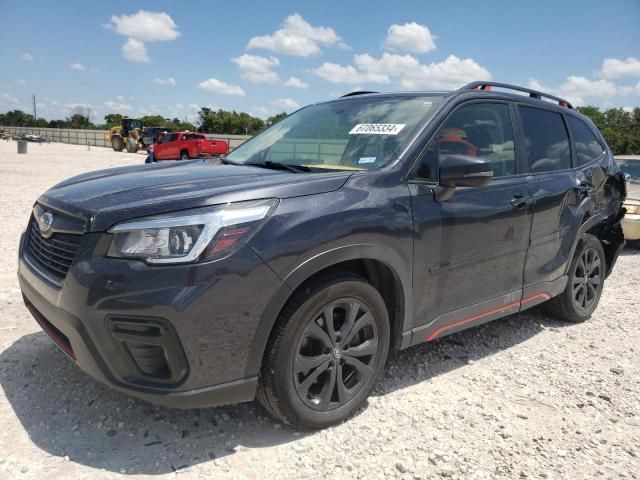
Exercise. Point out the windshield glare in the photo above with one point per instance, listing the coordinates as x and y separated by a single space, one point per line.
354 134
631 168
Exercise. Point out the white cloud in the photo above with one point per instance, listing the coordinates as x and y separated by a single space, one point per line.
78 66
169 81
451 73
216 86
260 112
86 107
257 69
576 89
285 103
637 88
6 99
297 37
295 82
145 26
27 57
410 37
21 82
334 73
121 107
136 51
614 68
628 109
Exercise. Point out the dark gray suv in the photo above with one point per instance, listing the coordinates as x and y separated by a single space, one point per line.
286 270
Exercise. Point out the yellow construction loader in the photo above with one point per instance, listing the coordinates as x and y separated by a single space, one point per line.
128 136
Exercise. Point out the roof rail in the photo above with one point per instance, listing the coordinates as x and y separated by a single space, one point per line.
480 85
361 92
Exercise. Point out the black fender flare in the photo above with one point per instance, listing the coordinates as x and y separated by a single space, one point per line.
586 225
315 264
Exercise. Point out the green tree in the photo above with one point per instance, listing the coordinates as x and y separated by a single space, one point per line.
234 123
275 118
16 118
112 120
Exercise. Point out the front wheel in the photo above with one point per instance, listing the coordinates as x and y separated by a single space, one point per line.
326 352
584 287
132 145
184 155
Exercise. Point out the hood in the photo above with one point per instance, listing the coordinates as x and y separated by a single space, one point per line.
106 197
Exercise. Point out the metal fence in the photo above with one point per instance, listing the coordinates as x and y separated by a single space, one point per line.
98 138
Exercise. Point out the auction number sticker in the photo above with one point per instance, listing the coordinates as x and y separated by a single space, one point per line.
377 129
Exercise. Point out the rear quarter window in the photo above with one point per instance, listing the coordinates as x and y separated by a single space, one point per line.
588 147
546 141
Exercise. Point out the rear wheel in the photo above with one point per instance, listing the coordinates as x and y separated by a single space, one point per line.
184 155
584 287
326 352
117 143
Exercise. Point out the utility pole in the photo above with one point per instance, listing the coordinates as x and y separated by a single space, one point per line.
35 113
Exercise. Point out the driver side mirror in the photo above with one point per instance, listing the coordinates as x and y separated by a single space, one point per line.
462 171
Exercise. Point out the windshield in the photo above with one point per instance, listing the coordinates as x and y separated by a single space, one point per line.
631 168
354 134
133 124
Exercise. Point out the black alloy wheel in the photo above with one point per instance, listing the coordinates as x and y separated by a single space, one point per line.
585 281
335 354
326 352
587 278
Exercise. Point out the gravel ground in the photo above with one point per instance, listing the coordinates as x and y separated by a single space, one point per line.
522 397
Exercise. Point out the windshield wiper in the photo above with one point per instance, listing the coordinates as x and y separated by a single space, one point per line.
280 166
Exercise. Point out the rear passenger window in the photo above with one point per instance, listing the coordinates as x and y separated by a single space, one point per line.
478 129
588 147
546 143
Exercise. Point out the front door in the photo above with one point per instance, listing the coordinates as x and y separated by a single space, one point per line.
166 149
470 250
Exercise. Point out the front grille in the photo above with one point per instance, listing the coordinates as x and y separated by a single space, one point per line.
54 254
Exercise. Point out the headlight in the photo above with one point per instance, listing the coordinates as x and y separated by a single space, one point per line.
200 234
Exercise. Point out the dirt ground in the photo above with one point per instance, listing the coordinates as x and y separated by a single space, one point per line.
522 397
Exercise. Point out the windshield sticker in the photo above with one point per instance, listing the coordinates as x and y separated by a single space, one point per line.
377 129
367 160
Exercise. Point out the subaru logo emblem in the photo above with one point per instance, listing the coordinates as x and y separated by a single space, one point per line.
45 221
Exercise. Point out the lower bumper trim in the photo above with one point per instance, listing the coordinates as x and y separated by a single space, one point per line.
238 391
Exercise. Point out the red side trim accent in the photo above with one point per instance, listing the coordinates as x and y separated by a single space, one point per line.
478 316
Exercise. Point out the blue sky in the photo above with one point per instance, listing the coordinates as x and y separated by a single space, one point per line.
170 58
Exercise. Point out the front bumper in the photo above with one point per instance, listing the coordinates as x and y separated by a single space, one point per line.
200 320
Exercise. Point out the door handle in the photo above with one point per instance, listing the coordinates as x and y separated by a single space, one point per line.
518 201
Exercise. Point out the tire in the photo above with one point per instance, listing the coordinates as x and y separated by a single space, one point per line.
314 375
132 145
184 155
584 287
117 143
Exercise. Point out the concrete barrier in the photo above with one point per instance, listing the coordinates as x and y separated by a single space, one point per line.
99 138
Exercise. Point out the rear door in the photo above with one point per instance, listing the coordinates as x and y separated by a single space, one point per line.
469 251
559 193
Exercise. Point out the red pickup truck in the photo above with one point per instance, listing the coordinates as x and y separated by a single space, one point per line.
186 145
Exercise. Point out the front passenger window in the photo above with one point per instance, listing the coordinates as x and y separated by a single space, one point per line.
480 130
